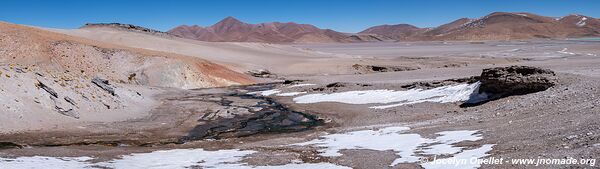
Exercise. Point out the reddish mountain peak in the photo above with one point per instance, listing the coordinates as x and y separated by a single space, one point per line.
511 18
229 21
404 25
445 28
573 16
233 30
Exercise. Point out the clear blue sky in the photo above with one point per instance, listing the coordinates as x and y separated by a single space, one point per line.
340 15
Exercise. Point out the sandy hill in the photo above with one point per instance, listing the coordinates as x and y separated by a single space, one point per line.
398 32
31 46
233 30
497 26
241 57
48 78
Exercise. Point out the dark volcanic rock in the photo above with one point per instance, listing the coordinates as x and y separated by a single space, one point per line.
515 80
500 82
47 89
272 117
435 84
262 73
9 145
365 69
103 84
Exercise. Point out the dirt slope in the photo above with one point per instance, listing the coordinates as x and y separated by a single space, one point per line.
49 78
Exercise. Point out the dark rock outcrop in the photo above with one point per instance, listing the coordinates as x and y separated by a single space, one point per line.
500 82
365 69
103 84
515 80
262 73
267 116
47 89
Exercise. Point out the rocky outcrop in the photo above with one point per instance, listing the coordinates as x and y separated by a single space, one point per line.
103 84
515 80
262 73
128 27
234 120
47 89
366 69
502 82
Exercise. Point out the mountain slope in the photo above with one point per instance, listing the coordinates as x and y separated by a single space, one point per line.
398 32
49 78
233 30
497 26
32 46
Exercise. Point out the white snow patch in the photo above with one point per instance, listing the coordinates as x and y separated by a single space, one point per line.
44 162
520 14
266 92
406 145
290 94
301 85
163 159
179 158
444 94
447 138
463 160
581 22
564 51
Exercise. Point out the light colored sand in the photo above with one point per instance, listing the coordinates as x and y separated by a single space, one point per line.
280 59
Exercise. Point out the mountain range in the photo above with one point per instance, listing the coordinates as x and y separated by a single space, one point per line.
495 26
233 30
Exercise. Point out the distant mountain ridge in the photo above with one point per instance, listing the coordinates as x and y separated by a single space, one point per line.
233 30
128 27
494 26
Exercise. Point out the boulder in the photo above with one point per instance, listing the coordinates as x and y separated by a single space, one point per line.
500 82
515 80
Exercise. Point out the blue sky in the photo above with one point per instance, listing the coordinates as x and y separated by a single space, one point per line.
340 15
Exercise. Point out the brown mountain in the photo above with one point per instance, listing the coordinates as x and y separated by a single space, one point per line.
398 32
497 26
233 30
449 27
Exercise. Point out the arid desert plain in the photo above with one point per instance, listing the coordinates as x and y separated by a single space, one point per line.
106 97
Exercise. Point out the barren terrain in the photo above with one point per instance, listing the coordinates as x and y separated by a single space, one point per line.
360 105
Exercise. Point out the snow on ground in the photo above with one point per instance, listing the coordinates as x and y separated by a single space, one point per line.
290 94
44 162
301 85
564 51
266 92
164 159
406 145
444 94
581 22
461 160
